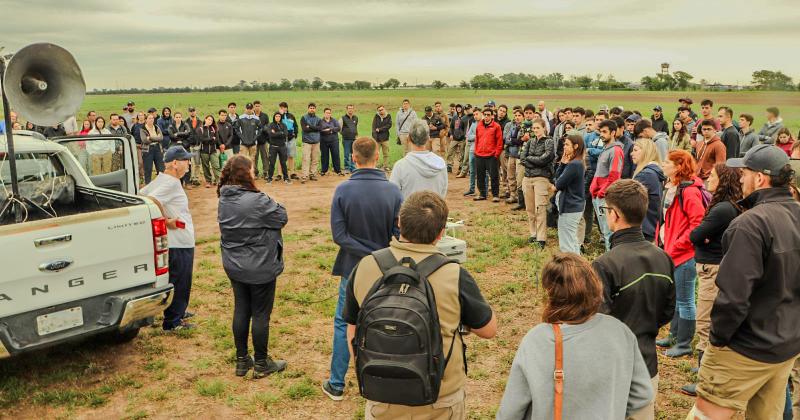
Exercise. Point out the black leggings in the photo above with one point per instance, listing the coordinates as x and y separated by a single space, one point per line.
252 301
279 152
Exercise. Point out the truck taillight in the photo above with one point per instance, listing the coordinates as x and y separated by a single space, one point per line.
160 245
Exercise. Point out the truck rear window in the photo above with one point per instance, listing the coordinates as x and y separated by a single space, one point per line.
31 167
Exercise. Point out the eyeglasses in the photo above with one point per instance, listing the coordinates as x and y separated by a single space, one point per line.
605 209
487 114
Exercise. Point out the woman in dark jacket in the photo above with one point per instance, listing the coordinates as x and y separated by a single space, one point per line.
648 172
277 135
570 199
164 122
724 184
209 150
250 224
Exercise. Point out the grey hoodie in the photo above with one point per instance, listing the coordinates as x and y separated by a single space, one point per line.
404 120
661 140
749 139
769 132
419 171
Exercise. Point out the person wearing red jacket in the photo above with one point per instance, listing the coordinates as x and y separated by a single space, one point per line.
488 146
684 208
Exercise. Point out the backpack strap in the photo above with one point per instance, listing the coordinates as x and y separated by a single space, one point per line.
558 373
385 259
431 263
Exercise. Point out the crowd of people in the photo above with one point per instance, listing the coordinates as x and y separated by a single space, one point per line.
699 219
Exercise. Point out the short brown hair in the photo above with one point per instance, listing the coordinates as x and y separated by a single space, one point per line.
629 198
422 217
364 149
574 292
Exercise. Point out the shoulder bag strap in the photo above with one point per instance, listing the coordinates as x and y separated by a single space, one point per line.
558 374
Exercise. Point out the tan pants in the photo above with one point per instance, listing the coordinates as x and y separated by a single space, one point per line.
290 168
310 159
706 293
443 140
537 198
504 173
455 151
197 164
249 151
730 380
405 142
512 175
101 163
384 146
437 144
647 412
448 407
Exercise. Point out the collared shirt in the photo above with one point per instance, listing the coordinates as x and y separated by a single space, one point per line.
168 191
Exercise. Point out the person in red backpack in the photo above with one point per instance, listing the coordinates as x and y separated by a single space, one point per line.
684 205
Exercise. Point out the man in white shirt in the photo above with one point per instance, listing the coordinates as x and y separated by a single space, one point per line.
167 192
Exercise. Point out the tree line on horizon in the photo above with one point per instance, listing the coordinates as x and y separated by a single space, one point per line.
766 80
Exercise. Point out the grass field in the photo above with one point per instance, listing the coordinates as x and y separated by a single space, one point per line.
190 374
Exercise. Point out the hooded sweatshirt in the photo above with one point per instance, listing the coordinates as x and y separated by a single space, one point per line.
769 132
419 171
661 140
652 177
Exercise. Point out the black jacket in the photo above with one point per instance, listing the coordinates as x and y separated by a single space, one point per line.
537 156
207 136
291 134
757 309
458 128
349 127
225 134
660 125
250 224
263 122
381 127
712 228
276 132
249 128
192 138
638 288
435 121
180 134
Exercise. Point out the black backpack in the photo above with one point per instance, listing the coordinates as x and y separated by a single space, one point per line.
398 341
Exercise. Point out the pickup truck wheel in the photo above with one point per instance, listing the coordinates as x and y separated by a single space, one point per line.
119 337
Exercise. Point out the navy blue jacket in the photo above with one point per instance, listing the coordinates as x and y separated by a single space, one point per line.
364 217
653 179
569 182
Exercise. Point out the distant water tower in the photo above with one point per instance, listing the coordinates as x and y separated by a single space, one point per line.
664 68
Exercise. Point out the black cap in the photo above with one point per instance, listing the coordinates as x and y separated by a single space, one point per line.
249 105
764 158
131 103
152 110
192 109
657 108
428 109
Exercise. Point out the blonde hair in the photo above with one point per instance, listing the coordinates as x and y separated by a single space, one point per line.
649 154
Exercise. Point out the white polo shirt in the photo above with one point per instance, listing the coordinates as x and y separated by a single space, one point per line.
168 190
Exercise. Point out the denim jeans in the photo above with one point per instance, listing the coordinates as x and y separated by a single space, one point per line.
152 157
340 359
568 232
685 278
472 171
348 155
601 221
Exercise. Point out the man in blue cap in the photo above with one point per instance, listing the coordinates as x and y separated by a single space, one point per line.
166 191
754 336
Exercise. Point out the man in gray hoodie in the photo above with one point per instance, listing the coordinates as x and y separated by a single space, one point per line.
644 129
769 132
405 117
420 169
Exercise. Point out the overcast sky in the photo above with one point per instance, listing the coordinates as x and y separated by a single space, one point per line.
147 43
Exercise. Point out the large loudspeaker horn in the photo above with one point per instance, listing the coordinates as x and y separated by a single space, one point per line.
44 84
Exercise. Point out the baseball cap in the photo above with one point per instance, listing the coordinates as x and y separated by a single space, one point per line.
177 153
687 100
604 107
191 109
633 118
428 109
657 108
764 158
249 105
152 110
490 103
131 103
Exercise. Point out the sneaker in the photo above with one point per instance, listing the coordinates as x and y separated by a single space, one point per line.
541 244
340 173
314 177
532 240
461 175
294 176
690 390
187 315
495 199
511 200
262 368
288 181
243 365
302 180
336 395
278 177
323 173
519 206
181 326
469 193
478 198
269 181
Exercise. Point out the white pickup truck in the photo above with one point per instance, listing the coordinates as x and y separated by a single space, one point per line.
90 256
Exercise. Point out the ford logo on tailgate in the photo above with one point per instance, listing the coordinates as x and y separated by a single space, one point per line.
56 265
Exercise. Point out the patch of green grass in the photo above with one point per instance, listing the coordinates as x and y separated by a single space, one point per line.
12 390
137 415
301 390
265 399
210 388
155 365
156 394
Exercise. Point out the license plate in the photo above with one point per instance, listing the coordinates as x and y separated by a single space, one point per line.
59 321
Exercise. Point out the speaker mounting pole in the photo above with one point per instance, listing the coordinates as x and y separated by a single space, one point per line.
12 157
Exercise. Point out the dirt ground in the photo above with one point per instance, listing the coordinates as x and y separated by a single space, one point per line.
190 375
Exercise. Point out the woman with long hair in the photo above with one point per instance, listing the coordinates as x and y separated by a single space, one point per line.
570 200
99 127
648 171
785 140
86 128
250 224
209 150
594 347
680 139
683 208
726 188
164 122
151 137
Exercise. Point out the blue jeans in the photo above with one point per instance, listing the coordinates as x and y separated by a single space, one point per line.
340 359
348 155
568 232
472 171
685 278
152 156
601 221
